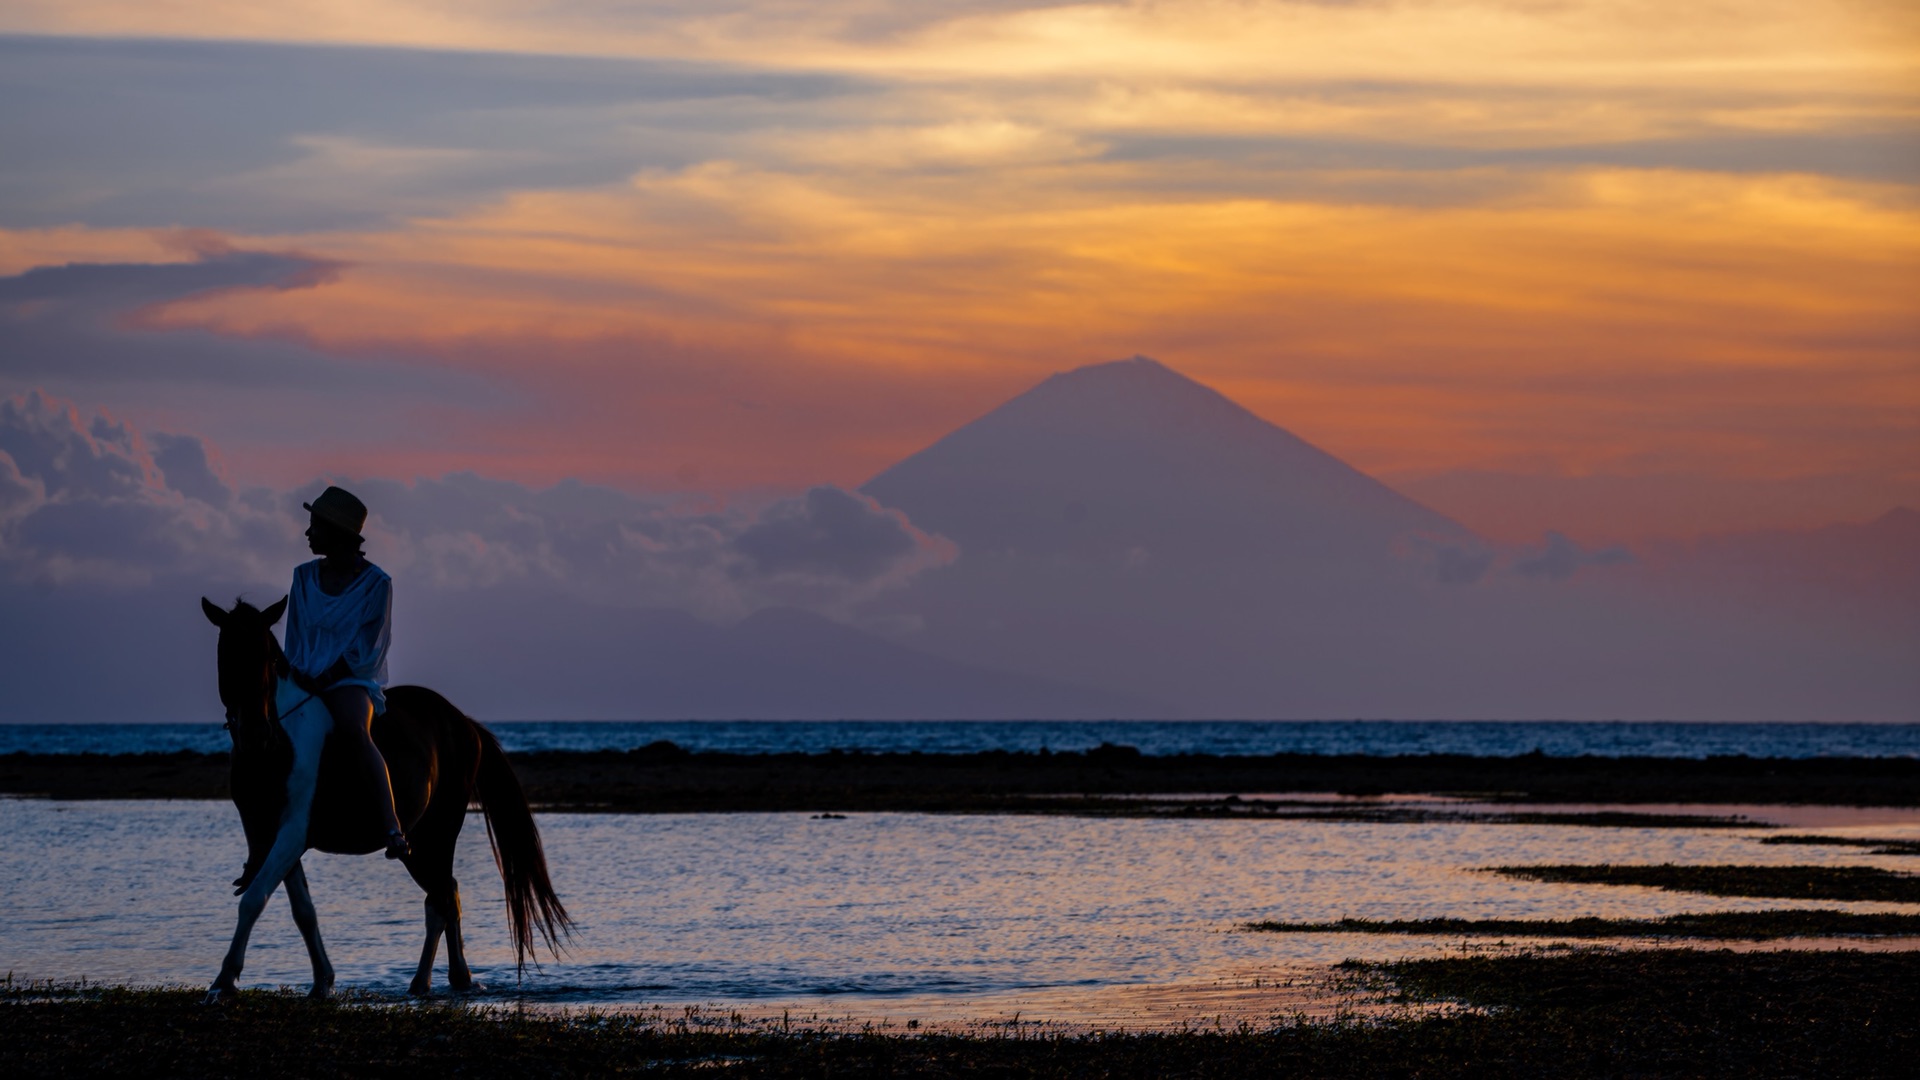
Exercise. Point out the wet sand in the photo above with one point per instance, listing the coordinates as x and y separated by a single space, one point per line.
662 778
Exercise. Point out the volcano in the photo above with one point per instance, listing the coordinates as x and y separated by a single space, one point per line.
1123 526
1133 460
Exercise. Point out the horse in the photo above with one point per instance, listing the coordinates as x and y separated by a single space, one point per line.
297 789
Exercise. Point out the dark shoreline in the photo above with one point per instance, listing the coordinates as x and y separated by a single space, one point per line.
1589 1012
1708 926
662 778
1866 883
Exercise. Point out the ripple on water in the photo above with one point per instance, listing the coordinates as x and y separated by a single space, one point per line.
932 914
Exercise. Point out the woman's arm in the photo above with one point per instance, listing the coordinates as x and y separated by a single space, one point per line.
366 655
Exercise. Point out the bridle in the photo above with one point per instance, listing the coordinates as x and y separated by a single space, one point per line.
278 668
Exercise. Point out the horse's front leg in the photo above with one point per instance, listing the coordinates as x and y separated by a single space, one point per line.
308 920
285 854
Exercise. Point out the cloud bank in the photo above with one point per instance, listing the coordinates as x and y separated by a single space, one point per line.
94 500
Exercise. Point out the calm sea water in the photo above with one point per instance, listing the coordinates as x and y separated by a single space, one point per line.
901 915
1152 737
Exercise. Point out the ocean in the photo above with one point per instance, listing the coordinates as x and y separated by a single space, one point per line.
1115 921
1154 737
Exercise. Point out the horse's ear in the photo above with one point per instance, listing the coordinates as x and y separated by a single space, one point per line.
275 610
214 614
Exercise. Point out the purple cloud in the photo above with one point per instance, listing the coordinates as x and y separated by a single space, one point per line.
93 498
835 533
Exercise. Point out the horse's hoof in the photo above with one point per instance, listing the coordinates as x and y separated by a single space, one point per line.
220 995
320 993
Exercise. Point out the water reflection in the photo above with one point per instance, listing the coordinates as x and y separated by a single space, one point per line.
951 913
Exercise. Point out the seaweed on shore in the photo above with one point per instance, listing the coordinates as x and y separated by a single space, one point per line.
1666 984
1872 845
1718 925
1775 882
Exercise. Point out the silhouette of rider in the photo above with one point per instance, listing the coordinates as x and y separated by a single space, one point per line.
339 616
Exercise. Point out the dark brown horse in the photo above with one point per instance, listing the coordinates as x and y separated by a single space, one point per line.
296 788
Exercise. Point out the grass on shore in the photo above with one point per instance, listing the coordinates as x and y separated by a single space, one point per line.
1715 926
1547 1013
1774 882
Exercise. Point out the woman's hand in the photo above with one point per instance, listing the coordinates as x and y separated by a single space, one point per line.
314 684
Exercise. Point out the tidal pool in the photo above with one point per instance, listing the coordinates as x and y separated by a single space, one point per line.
1128 920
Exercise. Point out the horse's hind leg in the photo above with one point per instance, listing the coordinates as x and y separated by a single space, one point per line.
443 917
432 867
301 900
422 984
458 976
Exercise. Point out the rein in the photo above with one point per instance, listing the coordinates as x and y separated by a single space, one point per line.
281 670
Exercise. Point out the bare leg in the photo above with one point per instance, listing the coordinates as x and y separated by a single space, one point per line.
301 900
353 717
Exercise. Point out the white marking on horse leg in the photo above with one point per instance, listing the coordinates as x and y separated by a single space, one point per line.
280 860
306 727
458 976
423 978
308 920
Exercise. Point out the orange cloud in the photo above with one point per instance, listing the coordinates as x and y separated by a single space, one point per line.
1433 237
1587 321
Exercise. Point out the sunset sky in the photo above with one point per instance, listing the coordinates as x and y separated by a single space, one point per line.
1621 269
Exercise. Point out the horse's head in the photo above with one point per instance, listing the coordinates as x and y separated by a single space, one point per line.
250 661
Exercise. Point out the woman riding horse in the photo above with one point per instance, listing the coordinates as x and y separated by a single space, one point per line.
339 622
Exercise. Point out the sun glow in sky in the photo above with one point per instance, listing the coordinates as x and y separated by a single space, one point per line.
1656 261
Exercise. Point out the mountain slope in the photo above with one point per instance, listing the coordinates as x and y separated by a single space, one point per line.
1131 457
1123 527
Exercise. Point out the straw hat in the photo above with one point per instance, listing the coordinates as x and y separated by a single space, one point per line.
337 506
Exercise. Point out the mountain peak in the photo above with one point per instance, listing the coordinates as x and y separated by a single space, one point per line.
1139 390
1133 456
1134 366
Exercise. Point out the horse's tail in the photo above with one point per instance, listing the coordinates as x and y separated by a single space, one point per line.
531 903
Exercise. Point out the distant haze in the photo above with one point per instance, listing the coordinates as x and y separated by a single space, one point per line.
1119 541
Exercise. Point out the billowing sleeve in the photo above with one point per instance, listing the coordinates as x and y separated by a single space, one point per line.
366 654
297 634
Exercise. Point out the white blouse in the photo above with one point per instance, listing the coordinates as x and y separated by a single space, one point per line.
356 625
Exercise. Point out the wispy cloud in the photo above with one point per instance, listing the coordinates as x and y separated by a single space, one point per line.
761 244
